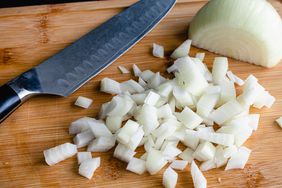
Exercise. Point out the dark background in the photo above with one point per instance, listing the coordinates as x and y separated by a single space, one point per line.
16 3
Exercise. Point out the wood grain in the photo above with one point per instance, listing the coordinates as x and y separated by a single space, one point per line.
29 35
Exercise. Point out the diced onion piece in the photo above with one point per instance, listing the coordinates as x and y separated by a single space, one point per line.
164 111
136 166
235 78
102 144
155 161
59 153
124 153
136 70
147 75
189 76
158 51
152 98
123 70
217 138
110 86
144 156
191 140
219 158
199 179
99 128
83 156
83 102
165 89
105 108
187 155
148 118
170 178
155 81
207 165
227 28
170 152
183 97
226 112
206 104
172 104
120 106
182 50
88 167
219 69
201 56
82 139
80 125
211 89
172 68
178 164
228 92
139 98
264 99
114 123
131 86
205 151
136 139
189 118
239 159
229 151
127 131
279 121
142 82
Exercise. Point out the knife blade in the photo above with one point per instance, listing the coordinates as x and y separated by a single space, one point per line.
68 70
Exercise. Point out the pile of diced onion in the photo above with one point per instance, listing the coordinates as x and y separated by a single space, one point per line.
197 108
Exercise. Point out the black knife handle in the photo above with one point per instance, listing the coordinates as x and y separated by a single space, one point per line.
9 101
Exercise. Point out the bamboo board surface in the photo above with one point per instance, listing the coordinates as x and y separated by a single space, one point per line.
29 35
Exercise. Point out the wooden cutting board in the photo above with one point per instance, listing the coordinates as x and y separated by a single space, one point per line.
29 35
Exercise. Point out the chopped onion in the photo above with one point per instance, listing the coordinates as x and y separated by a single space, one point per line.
211 89
82 139
136 70
229 151
183 97
191 140
80 125
99 129
205 151
239 159
147 75
83 102
206 104
199 179
207 165
235 78
226 112
178 164
127 131
142 82
219 158
102 144
144 156
165 89
155 161
123 153
123 70
105 108
83 156
201 56
219 69
189 118
120 106
187 155
279 121
110 86
132 87
182 50
170 178
164 112
59 153
172 68
155 81
152 98
148 118
170 152
88 167
228 28
114 123
228 92
137 166
136 139
158 51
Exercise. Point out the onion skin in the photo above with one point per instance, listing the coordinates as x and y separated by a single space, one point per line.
247 30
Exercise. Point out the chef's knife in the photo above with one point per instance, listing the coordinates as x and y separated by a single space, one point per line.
69 69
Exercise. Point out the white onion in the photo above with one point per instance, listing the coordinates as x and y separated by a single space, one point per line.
152 98
88 167
80 125
155 81
114 123
110 86
136 139
219 158
123 70
144 156
83 156
59 153
227 92
136 70
228 28
123 153
99 128
120 106
83 102
105 108
170 152
158 51
183 97
279 121
219 69
206 104
229 151
82 139
147 75
191 140
205 151
207 165
102 144
172 68
187 155
142 82
199 179
200 56
131 86
235 78
239 159
139 98
137 166
182 50
164 112
170 178
226 112
127 131
189 118
155 161
148 118
178 164
211 89
165 89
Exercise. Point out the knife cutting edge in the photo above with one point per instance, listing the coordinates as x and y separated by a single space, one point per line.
68 70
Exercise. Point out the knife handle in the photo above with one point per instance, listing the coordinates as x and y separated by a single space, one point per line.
9 101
